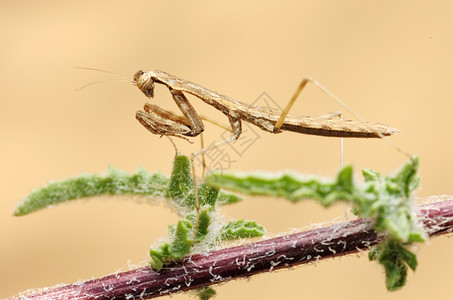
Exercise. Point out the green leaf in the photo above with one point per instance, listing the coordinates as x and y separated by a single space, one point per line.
370 175
180 187
180 190
205 293
227 198
203 225
240 229
114 183
180 246
407 178
159 256
289 186
384 199
395 258
207 195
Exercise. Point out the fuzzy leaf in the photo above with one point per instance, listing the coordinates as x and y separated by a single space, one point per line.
384 199
114 183
207 195
240 229
395 258
227 198
180 187
289 186
181 243
203 225
205 293
370 175
177 248
159 256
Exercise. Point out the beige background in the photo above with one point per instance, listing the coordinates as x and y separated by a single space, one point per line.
389 60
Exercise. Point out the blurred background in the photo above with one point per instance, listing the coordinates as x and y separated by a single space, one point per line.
391 61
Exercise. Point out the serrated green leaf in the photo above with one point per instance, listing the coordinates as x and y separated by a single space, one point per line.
289 186
240 229
160 255
205 293
395 258
227 198
181 243
407 177
370 175
114 183
207 195
178 247
384 199
203 225
180 186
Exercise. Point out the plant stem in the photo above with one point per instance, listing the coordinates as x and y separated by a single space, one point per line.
243 261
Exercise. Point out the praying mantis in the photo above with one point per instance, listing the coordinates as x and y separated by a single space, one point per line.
163 122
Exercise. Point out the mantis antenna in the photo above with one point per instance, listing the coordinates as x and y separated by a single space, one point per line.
122 78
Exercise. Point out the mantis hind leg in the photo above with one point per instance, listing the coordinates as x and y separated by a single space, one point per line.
299 89
291 102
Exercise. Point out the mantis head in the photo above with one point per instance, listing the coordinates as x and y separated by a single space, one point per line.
145 83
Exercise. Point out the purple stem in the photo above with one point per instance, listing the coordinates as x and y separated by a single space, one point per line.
243 261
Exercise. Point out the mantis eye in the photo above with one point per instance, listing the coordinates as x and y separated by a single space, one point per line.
138 75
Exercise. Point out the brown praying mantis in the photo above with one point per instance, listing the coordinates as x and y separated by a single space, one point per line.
163 122
166 123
